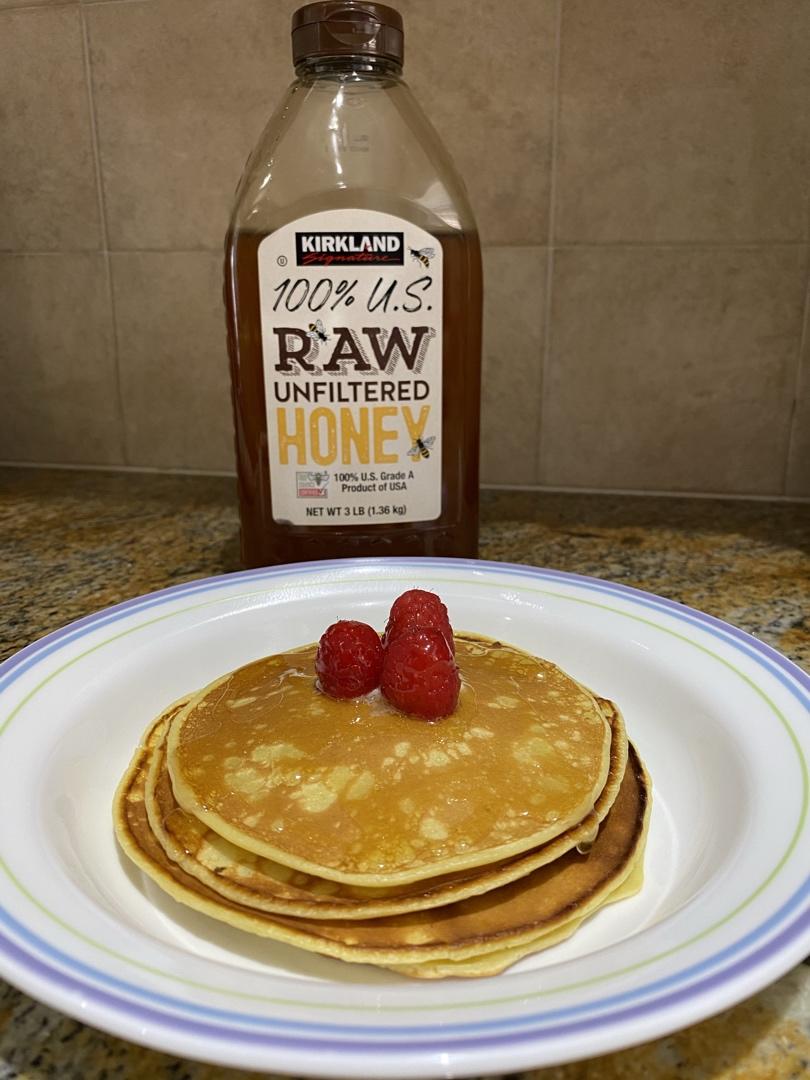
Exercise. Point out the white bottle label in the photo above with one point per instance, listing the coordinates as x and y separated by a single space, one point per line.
351 310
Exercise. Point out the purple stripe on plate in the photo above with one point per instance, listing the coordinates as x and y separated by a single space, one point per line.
397 1041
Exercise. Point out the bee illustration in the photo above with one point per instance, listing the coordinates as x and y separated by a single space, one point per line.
321 479
422 255
317 332
421 447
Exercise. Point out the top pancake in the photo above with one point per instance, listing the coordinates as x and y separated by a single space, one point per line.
354 791
267 885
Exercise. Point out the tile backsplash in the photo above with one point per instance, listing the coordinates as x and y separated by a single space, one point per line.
639 169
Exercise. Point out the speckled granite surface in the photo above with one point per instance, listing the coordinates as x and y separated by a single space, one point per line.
73 542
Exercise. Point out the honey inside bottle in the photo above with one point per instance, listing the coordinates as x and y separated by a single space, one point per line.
353 292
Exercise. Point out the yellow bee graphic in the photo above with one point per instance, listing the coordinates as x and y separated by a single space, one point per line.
317 332
421 448
422 255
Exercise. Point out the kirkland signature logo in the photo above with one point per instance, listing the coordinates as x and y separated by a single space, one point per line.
350 248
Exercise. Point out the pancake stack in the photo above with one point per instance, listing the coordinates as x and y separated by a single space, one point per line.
349 829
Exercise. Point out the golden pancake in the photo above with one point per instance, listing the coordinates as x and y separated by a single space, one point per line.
492 963
266 885
513 916
356 792
573 885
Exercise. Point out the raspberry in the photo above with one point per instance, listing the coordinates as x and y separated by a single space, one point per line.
417 610
349 659
419 674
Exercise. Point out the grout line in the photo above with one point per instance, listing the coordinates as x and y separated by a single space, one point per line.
102 212
702 245
552 210
23 254
100 3
22 6
100 250
28 5
797 384
691 245
88 80
726 496
151 470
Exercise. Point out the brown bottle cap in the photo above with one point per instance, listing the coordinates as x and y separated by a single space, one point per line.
347 28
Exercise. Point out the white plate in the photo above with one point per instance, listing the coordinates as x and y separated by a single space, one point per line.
720 719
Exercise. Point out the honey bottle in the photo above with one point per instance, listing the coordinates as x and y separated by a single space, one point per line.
353 294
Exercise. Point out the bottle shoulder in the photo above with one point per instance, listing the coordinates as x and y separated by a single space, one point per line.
334 144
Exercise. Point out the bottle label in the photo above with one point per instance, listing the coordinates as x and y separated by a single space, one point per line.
351 316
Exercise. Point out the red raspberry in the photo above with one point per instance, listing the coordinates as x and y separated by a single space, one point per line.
417 610
349 659
419 674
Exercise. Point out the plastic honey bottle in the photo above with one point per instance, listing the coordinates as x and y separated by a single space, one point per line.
353 292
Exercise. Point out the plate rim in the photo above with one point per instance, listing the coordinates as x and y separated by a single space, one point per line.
786 671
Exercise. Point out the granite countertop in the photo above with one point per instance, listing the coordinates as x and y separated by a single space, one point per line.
72 542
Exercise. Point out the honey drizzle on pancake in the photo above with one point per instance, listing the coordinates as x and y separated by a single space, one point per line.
356 792
268 886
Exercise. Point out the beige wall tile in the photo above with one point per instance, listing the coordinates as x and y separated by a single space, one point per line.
60 398
798 473
48 198
672 368
483 72
684 121
184 87
173 360
514 325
